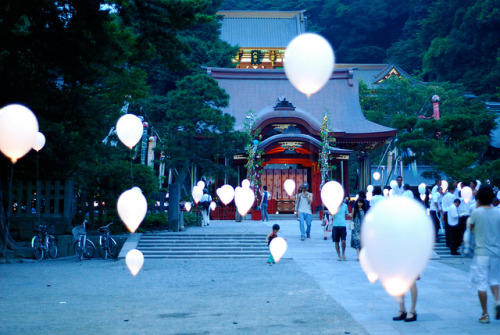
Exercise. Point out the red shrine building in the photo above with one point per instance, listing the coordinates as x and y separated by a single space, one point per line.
289 121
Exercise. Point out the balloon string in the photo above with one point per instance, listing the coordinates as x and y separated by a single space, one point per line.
37 194
131 171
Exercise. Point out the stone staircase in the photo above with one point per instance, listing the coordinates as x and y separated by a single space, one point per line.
442 250
199 245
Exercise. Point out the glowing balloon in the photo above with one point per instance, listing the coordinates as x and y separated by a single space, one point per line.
398 236
444 186
478 184
18 129
213 205
369 188
134 260
376 175
245 183
201 184
197 194
129 129
386 192
466 194
226 194
391 192
422 197
393 184
309 62
289 186
132 207
369 196
421 188
460 185
187 206
39 142
277 248
363 261
244 199
332 195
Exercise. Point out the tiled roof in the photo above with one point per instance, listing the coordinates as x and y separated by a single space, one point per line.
261 29
258 90
371 73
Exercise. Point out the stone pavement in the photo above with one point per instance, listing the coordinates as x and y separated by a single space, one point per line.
308 292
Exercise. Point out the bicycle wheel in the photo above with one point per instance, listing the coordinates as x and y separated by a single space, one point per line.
114 250
52 247
36 244
102 247
89 251
78 250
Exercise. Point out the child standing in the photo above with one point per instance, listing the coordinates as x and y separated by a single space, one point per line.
269 238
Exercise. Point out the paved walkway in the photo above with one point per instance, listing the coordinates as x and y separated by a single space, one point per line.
308 292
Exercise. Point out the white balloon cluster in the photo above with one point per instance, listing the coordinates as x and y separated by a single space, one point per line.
332 195
398 237
18 131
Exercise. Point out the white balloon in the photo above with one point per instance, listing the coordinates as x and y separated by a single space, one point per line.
444 186
460 185
365 265
498 195
421 188
244 199
132 207
376 175
332 195
393 184
39 142
197 194
369 188
386 192
201 184
478 184
369 196
466 194
134 260
213 205
278 248
289 186
129 129
226 194
398 236
309 62
187 206
245 183
422 197
18 129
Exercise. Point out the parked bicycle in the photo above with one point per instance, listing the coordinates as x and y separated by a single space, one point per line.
84 248
107 244
43 243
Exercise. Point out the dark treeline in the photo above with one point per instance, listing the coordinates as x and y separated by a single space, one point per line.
434 40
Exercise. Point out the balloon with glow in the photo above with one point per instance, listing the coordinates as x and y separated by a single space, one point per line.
421 188
197 194
277 248
444 186
393 184
376 175
369 188
187 206
422 197
245 183
201 184
226 194
18 131
369 196
466 194
244 199
289 186
213 205
308 62
129 129
363 261
398 236
39 142
332 195
460 185
132 207
386 192
134 260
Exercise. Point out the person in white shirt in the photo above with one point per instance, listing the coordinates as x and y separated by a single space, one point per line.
377 196
435 209
407 192
399 189
454 228
448 199
205 201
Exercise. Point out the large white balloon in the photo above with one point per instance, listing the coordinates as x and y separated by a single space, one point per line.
398 236
332 195
134 261
197 194
466 194
393 184
213 205
421 188
277 247
129 129
309 62
187 206
376 175
132 207
289 186
226 194
39 142
444 186
244 199
18 129
245 183
365 265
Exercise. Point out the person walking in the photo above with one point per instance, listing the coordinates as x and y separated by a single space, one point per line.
339 231
399 189
358 214
447 201
205 201
435 210
485 267
403 314
453 226
265 195
303 209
